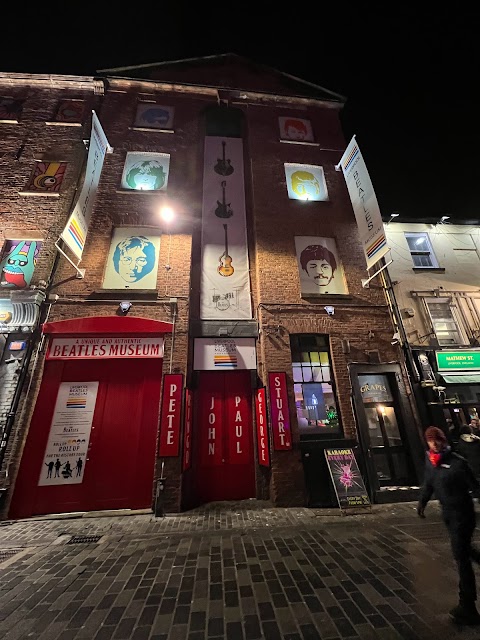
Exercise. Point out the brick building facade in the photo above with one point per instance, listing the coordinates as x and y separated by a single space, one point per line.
344 381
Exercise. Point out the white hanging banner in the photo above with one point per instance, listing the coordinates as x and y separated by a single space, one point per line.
225 277
66 452
365 204
75 232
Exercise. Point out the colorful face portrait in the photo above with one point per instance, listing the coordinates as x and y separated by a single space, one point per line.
146 172
320 269
305 182
10 109
18 263
154 116
295 129
47 177
70 111
133 260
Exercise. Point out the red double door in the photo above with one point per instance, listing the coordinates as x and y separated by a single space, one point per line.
225 458
119 466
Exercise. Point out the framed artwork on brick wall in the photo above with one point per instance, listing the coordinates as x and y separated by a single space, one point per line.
319 267
154 116
17 263
70 111
145 171
10 109
132 261
305 182
295 129
47 177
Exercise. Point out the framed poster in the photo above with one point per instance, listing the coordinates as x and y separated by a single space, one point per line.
10 109
47 177
17 263
319 267
66 451
70 111
154 116
132 261
305 182
295 129
347 479
146 171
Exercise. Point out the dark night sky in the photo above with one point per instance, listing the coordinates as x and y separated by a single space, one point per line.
410 76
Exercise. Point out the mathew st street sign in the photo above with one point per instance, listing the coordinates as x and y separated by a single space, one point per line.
458 360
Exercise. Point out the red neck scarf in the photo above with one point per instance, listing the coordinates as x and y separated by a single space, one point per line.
435 458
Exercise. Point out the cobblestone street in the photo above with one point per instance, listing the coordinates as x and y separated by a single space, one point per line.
230 570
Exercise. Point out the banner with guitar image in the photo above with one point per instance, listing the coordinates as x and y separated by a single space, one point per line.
225 280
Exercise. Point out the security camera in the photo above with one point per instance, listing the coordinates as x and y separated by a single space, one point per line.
125 306
330 310
395 338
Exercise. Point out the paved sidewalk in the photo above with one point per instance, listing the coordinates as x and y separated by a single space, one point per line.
241 571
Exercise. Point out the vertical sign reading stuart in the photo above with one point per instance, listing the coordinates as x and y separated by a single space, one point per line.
280 416
67 446
225 276
262 428
187 432
170 415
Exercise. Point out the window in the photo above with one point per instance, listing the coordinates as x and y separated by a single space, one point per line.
444 324
315 400
421 250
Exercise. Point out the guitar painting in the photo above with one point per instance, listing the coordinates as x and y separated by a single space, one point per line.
223 166
225 267
223 209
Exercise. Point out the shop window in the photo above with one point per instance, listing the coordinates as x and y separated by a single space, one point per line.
444 323
421 250
315 400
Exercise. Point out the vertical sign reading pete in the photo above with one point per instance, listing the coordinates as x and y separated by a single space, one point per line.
262 428
187 432
280 416
170 415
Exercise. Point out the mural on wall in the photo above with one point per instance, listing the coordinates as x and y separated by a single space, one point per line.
10 109
70 111
296 129
146 171
132 261
319 266
154 116
47 177
17 263
225 276
305 182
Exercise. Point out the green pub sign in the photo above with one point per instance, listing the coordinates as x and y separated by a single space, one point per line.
458 360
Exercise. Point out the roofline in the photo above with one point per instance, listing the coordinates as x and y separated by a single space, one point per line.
434 221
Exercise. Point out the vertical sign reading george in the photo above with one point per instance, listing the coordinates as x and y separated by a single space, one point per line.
347 479
280 416
262 428
67 446
170 415
187 432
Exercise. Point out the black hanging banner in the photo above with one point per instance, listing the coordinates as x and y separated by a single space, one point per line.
347 479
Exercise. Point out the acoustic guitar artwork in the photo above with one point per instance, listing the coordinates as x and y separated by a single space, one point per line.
223 210
224 166
225 267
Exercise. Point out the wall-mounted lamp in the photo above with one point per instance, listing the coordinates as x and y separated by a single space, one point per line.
443 219
395 338
125 306
329 309
392 216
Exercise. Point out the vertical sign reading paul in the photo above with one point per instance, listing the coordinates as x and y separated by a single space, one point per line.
347 479
66 452
187 432
171 415
280 416
262 428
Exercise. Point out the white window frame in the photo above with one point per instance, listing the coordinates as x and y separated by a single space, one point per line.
459 330
430 252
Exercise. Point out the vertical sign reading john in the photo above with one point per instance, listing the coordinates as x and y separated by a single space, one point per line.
279 413
262 428
171 412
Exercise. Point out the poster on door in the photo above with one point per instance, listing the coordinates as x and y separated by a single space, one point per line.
66 451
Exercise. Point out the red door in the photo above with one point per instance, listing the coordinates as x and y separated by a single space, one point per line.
225 461
119 467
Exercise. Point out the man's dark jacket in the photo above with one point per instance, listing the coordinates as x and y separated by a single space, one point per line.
451 483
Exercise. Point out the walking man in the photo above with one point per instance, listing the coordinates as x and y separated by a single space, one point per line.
449 477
